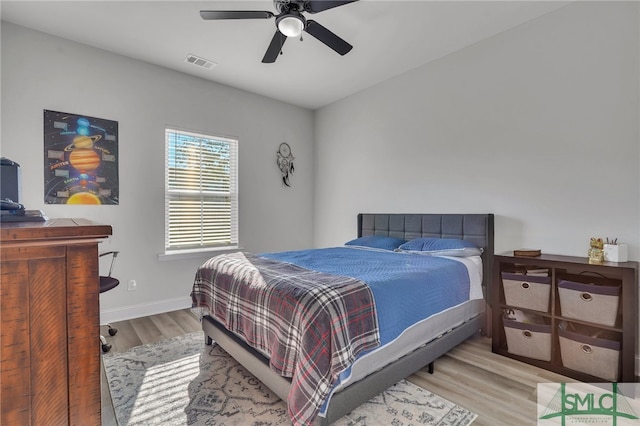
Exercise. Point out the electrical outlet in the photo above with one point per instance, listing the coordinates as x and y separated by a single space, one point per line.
132 285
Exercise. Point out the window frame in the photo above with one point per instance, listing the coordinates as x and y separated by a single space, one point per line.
206 193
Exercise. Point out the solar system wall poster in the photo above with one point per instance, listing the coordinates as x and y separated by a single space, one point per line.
80 159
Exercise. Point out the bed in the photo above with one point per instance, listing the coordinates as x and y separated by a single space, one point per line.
379 347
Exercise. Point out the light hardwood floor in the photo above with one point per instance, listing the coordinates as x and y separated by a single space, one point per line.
500 390
142 331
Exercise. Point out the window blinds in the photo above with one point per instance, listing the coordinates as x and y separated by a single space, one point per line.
201 198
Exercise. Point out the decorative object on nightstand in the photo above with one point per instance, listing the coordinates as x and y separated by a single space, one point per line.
596 254
614 252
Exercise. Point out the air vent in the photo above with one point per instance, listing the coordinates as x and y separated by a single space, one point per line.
198 61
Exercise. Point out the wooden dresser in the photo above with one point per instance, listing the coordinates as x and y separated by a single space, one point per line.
49 322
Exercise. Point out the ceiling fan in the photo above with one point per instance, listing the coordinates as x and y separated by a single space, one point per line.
290 23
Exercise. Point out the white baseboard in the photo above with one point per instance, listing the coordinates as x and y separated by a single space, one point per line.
143 310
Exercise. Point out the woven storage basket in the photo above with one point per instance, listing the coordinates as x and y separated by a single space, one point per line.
529 292
599 357
589 302
530 340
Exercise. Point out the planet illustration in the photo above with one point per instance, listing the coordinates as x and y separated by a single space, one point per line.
84 160
83 198
83 142
84 178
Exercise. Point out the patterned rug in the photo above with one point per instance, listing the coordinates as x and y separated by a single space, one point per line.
182 381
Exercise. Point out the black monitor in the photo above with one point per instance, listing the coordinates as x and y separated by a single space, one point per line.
9 180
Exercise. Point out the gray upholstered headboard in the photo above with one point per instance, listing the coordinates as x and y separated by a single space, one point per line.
475 228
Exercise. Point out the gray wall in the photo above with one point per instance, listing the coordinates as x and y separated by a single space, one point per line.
538 125
44 72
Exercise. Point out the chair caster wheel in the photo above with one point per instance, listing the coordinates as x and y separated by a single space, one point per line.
113 331
106 347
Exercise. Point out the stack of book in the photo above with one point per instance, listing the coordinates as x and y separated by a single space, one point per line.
538 272
527 252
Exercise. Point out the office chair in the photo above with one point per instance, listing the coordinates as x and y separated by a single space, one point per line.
106 284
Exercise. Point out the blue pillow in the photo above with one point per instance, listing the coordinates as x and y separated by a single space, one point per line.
377 241
442 247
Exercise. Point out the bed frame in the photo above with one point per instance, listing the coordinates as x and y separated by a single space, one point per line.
476 228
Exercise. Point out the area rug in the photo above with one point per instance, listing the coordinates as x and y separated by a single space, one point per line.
181 381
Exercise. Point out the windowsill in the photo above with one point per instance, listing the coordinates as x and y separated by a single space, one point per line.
194 254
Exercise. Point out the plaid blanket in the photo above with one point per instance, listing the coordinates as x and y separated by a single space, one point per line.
312 325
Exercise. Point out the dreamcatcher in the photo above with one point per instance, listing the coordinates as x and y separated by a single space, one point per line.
285 162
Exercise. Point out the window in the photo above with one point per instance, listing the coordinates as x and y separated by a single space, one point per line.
201 198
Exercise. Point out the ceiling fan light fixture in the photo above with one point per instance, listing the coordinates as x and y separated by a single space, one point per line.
291 25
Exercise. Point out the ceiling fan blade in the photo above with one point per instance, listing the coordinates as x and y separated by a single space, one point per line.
327 37
315 6
274 48
236 14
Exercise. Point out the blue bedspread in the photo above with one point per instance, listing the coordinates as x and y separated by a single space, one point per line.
406 287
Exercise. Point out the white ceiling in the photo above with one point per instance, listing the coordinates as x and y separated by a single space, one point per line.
389 38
